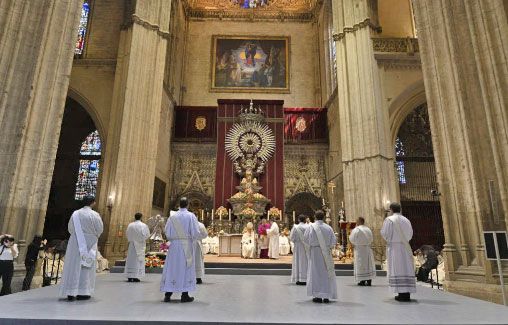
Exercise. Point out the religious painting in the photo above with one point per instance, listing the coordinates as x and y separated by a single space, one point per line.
250 64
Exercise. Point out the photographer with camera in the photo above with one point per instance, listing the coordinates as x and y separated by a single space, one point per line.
8 252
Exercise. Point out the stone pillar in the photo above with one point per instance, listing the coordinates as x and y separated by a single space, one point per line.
367 152
135 118
37 40
463 47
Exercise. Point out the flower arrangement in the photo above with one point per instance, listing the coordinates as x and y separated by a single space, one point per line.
274 212
164 247
153 261
222 211
248 213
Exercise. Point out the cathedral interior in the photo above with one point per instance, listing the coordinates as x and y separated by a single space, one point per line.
346 105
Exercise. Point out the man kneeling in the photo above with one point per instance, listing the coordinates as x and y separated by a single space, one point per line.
321 280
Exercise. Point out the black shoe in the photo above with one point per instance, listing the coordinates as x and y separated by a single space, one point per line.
368 283
79 297
136 280
405 297
326 301
199 281
71 298
129 280
318 300
303 283
186 298
167 297
361 283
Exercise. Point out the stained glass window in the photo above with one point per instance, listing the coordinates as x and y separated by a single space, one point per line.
83 25
89 166
399 164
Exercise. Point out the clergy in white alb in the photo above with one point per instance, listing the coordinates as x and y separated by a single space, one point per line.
249 241
284 247
364 264
137 234
179 273
273 236
397 231
300 253
321 239
199 261
85 227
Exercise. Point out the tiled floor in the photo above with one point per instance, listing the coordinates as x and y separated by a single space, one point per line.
247 300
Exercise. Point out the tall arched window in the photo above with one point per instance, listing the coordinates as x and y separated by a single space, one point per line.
89 164
82 29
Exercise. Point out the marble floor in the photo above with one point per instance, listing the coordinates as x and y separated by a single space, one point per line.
245 300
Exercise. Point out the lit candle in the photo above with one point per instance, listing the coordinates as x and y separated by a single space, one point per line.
212 214
342 204
229 214
268 215
202 215
294 216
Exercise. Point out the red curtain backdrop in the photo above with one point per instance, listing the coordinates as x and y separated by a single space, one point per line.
185 123
312 125
272 180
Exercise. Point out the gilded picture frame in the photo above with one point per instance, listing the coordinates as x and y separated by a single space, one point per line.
253 64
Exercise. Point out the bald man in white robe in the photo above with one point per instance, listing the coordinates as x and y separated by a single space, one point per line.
364 265
137 233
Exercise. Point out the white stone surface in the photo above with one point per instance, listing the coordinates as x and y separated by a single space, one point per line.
248 299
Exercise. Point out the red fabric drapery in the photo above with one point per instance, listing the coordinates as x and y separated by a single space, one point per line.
305 125
272 180
195 123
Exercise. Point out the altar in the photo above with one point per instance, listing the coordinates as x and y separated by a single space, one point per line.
230 245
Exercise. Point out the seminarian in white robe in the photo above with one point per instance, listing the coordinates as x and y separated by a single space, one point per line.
179 273
284 247
137 233
300 253
321 282
249 242
79 280
199 261
397 231
364 264
273 236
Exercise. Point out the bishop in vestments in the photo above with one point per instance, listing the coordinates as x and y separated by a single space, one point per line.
137 233
321 278
364 266
397 231
301 252
179 273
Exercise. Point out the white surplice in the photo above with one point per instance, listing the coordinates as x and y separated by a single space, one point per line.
214 245
77 279
300 253
198 251
179 273
137 233
284 247
249 244
397 231
273 235
206 245
320 284
364 264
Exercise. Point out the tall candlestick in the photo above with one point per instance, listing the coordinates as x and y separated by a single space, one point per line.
342 204
294 216
229 214
212 214
202 215
268 215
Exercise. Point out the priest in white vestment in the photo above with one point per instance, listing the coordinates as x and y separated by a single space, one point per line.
284 247
199 260
273 236
364 264
321 282
300 253
137 234
85 227
179 273
397 231
249 242
214 244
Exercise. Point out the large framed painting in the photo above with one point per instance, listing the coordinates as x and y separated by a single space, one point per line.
250 64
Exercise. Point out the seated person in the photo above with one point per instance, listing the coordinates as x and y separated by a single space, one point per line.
249 242
214 244
431 262
102 263
284 246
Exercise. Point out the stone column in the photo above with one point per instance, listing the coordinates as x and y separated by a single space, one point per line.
463 47
367 152
37 40
135 118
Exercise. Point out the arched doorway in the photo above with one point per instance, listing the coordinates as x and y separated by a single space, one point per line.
77 168
417 179
303 203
